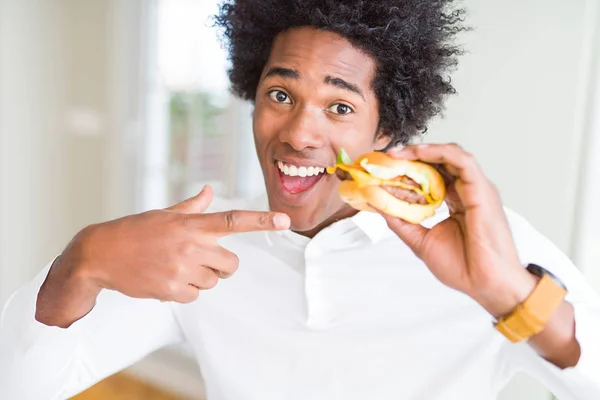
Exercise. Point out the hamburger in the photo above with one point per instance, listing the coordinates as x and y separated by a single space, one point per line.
410 190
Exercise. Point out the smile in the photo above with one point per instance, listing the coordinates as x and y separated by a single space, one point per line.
302 171
296 181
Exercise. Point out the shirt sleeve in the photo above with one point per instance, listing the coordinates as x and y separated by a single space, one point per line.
43 362
581 382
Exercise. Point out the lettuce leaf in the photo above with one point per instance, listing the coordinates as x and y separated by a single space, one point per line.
343 157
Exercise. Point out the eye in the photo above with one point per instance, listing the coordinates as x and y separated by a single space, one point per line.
280 97
341 109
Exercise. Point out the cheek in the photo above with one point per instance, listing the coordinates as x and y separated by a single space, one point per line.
261 140
356 141
361 138
263 131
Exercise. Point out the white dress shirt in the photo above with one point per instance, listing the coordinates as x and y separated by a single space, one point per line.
351 314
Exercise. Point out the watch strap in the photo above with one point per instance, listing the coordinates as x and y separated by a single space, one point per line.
530 317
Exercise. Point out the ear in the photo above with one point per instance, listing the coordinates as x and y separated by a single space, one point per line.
382 139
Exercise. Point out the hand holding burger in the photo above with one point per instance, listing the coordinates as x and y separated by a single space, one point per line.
471 251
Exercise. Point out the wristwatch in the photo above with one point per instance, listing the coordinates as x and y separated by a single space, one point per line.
536 270
530 317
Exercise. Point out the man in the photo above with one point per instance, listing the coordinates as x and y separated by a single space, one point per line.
315 300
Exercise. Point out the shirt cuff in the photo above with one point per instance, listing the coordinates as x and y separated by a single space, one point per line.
587 332
25 332
582 381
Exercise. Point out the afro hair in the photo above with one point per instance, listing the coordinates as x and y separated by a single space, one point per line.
410 40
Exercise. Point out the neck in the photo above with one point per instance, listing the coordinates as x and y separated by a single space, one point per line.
345 212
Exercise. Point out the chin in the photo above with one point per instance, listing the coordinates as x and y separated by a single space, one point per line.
303 217
300 223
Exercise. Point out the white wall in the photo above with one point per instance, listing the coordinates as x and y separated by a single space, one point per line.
518 106
521 109
32 144
65 113
584 244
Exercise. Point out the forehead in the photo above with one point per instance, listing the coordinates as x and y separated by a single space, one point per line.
315 53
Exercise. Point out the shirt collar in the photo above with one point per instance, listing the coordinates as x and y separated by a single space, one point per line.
375 227
371 224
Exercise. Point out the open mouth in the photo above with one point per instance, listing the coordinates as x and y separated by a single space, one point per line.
296 179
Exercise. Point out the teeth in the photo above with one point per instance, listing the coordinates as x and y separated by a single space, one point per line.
302 171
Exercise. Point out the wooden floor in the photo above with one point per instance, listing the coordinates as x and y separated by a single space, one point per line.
124 387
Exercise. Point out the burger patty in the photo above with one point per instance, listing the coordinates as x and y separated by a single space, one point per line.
405 179
343 175
407 195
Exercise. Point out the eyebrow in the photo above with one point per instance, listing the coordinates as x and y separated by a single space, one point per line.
340 83
329 80
282 72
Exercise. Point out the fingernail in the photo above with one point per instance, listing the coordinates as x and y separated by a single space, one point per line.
224 275
281 221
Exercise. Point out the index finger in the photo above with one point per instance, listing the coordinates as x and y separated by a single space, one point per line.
237 221
455 160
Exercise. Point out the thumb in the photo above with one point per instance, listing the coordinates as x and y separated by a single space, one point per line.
413 235
195 205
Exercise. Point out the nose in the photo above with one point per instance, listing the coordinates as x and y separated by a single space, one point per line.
302 129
